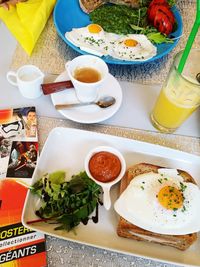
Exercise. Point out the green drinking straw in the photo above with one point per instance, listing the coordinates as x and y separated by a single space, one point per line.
190 39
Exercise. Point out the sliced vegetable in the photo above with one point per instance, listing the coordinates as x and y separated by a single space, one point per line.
161 16
160 8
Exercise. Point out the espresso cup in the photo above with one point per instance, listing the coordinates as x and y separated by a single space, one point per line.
87 88
28 79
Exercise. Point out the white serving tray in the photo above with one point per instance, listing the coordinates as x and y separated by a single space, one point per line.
65 149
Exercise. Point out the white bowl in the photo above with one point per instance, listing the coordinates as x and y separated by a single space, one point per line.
107 185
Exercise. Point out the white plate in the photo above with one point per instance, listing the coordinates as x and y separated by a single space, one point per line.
92 113
66 149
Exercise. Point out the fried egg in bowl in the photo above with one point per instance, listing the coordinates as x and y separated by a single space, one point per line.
133 47
93 39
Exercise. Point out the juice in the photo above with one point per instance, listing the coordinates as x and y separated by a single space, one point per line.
180 95
170 114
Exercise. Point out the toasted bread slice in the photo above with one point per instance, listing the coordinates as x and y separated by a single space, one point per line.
89 5
128 230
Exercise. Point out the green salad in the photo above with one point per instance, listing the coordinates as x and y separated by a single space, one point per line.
118 19
121 19
66 203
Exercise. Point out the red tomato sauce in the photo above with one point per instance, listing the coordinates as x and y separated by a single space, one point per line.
104 166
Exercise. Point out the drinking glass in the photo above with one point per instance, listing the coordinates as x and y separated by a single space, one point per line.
180 94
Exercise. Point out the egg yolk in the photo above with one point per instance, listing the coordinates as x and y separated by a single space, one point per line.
94 28
170 197
130 42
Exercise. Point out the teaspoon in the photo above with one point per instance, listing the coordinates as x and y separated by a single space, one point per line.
103 102
198 77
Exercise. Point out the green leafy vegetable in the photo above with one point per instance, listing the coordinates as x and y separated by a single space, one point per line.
66 203
117 18
57 177
152 34
158 38
171 2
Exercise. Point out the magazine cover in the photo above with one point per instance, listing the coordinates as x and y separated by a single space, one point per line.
19 246
18 142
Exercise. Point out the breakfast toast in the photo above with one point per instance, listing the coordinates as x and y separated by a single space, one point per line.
129 230
89 5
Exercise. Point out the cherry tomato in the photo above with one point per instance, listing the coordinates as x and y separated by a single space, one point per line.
160 16
163 9
162 23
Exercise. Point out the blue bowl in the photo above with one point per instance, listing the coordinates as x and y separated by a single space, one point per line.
68 15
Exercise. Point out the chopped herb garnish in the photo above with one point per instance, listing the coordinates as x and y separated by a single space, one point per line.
183 187
183 209
142 187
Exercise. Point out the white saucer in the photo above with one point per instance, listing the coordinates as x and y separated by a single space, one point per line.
92 113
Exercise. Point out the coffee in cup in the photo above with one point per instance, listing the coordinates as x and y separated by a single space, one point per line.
87 74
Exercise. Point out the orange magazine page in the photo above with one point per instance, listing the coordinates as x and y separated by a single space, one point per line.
19 246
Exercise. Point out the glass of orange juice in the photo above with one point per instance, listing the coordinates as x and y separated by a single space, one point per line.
180 94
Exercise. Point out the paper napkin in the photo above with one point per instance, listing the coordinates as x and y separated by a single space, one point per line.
26 21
